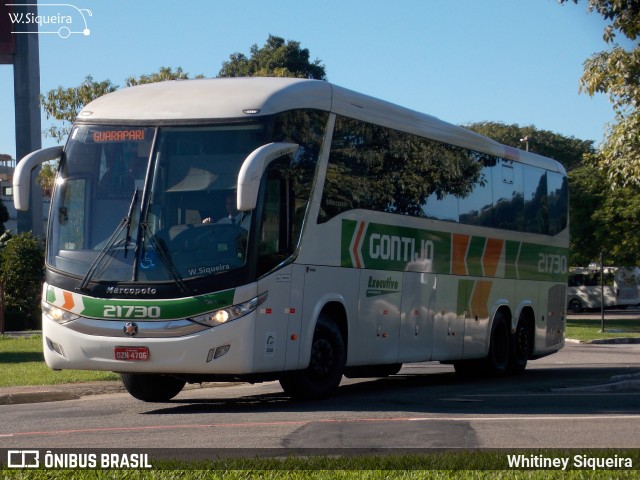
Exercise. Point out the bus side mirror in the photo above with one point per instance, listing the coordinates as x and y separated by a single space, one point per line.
22 174
252 169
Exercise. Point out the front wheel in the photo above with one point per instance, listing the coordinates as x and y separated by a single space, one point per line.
152 388
326 365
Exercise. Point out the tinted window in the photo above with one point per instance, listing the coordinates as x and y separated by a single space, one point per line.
557 191
536 208
376 168
508 206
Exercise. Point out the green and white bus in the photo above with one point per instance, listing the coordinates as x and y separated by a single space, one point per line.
364 236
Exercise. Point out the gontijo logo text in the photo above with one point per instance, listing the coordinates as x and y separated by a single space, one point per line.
375 246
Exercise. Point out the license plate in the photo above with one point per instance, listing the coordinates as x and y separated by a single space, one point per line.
132 353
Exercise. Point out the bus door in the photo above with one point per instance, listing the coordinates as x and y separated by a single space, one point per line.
449 318
378 326
279 325
418 309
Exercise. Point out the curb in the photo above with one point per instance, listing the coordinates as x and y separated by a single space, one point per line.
53 393
75 391
607 341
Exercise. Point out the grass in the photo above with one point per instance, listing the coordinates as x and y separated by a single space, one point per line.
439 465
590 329
23 364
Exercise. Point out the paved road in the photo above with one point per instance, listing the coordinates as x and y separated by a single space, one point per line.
584 396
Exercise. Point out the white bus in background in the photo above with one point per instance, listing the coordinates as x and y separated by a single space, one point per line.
621 288
369 235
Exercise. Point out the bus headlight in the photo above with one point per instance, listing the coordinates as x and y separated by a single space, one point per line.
57 314
225 315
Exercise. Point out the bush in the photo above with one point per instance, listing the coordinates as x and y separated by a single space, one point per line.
22 273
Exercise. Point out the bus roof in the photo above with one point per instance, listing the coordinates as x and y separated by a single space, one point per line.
182 101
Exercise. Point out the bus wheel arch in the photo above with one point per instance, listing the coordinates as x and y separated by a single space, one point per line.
522 341
328 355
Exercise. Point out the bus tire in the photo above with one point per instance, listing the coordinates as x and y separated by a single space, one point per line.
152 388
521 343
575 306
497 361
326 365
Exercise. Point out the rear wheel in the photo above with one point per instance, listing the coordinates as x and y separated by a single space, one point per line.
520 346
497 362
328 356
575 306
152 388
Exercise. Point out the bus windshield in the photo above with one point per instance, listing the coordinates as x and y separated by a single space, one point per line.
147 204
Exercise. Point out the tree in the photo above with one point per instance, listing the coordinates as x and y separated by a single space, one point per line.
602 219
616 73
64 104
22 272
277 58
47 177
162 75
4 217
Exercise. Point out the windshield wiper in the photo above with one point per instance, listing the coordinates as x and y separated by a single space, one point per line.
165 257
125 224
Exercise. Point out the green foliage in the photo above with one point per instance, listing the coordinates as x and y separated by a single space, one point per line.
622 13
47 176
162 75
4 217
22 272
602 219
569 151
277 58
64 104
616 73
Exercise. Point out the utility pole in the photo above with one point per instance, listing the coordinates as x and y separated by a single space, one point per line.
19 45
602 290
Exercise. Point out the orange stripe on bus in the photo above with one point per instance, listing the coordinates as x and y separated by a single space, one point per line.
356 256
459 254
68 301
480 298
491 258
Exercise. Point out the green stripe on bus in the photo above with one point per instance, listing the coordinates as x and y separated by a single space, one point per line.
163 309
388 247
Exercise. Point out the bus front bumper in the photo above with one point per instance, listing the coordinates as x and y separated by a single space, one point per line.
225 349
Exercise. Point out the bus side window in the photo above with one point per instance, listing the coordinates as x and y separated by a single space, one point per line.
276 243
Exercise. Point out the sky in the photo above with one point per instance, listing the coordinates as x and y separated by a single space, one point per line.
464 61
